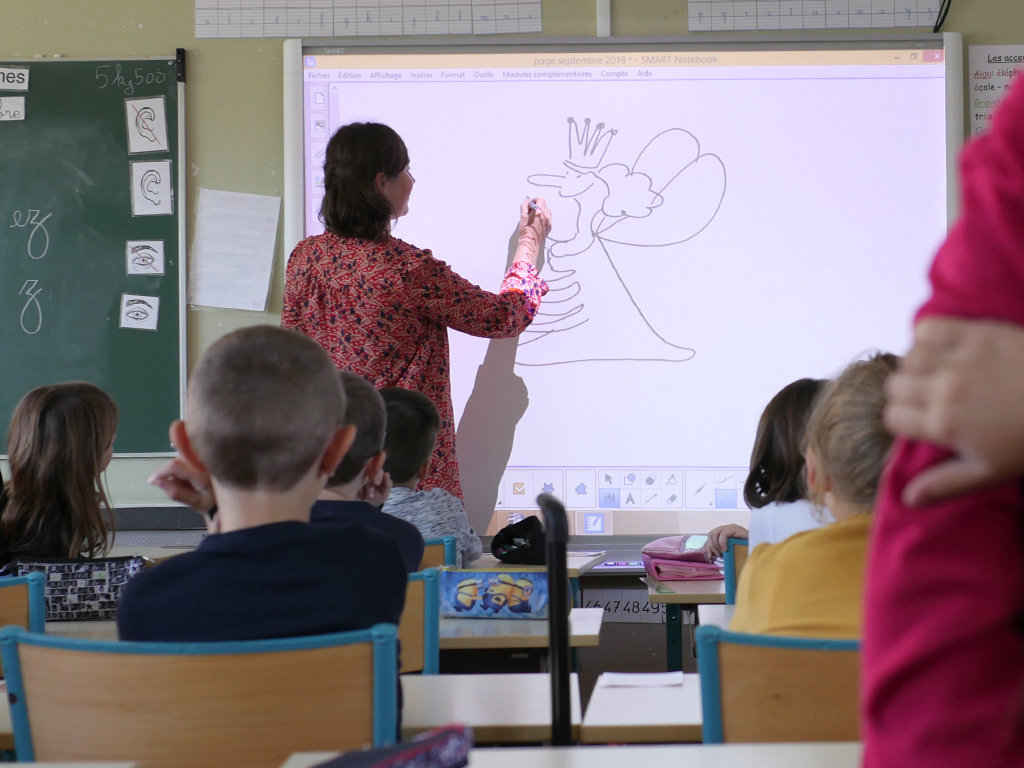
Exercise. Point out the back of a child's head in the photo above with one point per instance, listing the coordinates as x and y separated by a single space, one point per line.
364 411
58 444
413 423
846 432
263 403
777 461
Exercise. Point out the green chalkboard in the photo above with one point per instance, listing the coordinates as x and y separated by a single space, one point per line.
91 241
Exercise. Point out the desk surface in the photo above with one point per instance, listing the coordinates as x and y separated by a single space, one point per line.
836 755
584 630
684 592
644 715
501 709
156 554
715 615
575 564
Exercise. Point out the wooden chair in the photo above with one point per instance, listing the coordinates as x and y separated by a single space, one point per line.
438 552
762 688
420 628
735 558
195 705
23 603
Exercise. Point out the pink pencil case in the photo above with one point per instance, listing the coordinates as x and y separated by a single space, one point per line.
668 559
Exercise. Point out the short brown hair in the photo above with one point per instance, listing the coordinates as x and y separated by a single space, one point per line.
777 461
262 405
57 441
352 204
846 432
365 411
413 423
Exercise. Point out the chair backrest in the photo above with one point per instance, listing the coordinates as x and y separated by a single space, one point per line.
734 559
762 688
23 603
419 629
249 703
438 552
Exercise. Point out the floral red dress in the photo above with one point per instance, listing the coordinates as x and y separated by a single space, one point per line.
383 310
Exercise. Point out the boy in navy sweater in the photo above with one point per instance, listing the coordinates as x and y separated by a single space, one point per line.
266 425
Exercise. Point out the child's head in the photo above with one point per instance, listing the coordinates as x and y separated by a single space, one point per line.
413 423
264 404
60 440
365 412
846 441
777 461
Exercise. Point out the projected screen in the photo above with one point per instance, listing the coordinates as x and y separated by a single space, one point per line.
725 222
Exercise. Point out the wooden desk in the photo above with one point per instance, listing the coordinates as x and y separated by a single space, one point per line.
835 755
501 709
676 594
715 615
467 634
644 715
156 554
575 564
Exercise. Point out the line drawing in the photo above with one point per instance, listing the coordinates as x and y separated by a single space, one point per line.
668 195
152 190
32 217
141 312
31 289
142 119
144 257
150 186
146 124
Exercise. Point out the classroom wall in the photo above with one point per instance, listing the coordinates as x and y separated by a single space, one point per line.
234 100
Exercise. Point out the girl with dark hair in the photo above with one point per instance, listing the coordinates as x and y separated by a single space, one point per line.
776 486
381 307
60 441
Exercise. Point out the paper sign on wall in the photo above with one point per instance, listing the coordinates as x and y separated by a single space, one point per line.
13 78
12 108
992 70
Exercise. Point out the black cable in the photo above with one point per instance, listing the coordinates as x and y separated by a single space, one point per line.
940 18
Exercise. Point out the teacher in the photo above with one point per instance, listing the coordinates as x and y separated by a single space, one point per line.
382 307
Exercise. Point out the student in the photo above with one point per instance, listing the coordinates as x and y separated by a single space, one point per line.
776 487
266 424
810 585
60 441
943 653
413 423
358 487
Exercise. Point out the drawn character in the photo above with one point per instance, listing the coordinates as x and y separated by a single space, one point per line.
519 598
149 185
144 257
143 118
467 593
137 310
670 194
498 592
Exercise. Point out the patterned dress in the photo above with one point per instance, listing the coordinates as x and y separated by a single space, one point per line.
383 310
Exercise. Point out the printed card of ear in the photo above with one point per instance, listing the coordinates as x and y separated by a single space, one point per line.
139 312
152 188
144 257
147 125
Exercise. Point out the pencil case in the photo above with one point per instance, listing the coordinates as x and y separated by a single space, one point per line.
669 559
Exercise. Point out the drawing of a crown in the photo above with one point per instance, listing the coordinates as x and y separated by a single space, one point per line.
586 148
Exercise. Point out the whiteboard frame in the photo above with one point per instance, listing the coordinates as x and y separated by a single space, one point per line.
294 188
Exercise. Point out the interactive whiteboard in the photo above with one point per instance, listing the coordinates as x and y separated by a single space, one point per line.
727 218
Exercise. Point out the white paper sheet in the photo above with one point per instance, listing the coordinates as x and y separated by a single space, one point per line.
233 249
640 679
991 70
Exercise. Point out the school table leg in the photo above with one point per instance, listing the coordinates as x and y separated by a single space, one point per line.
674 637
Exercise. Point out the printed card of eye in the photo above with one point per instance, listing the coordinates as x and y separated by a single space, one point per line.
152 188
147 125
144 257
139 312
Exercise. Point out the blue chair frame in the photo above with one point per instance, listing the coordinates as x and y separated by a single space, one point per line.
382 636
36 598
729 568
451 551
708 640
431 616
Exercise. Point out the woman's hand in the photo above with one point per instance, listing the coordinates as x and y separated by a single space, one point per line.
534 226
962 387
718 540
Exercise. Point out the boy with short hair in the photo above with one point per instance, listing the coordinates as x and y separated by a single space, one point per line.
413 423
360 485
266 423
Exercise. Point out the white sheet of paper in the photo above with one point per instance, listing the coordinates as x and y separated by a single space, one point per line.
146 122
139 312
233 249
152 189
12 107
990 73
640 679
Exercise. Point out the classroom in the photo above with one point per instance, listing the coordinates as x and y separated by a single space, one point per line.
234 139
